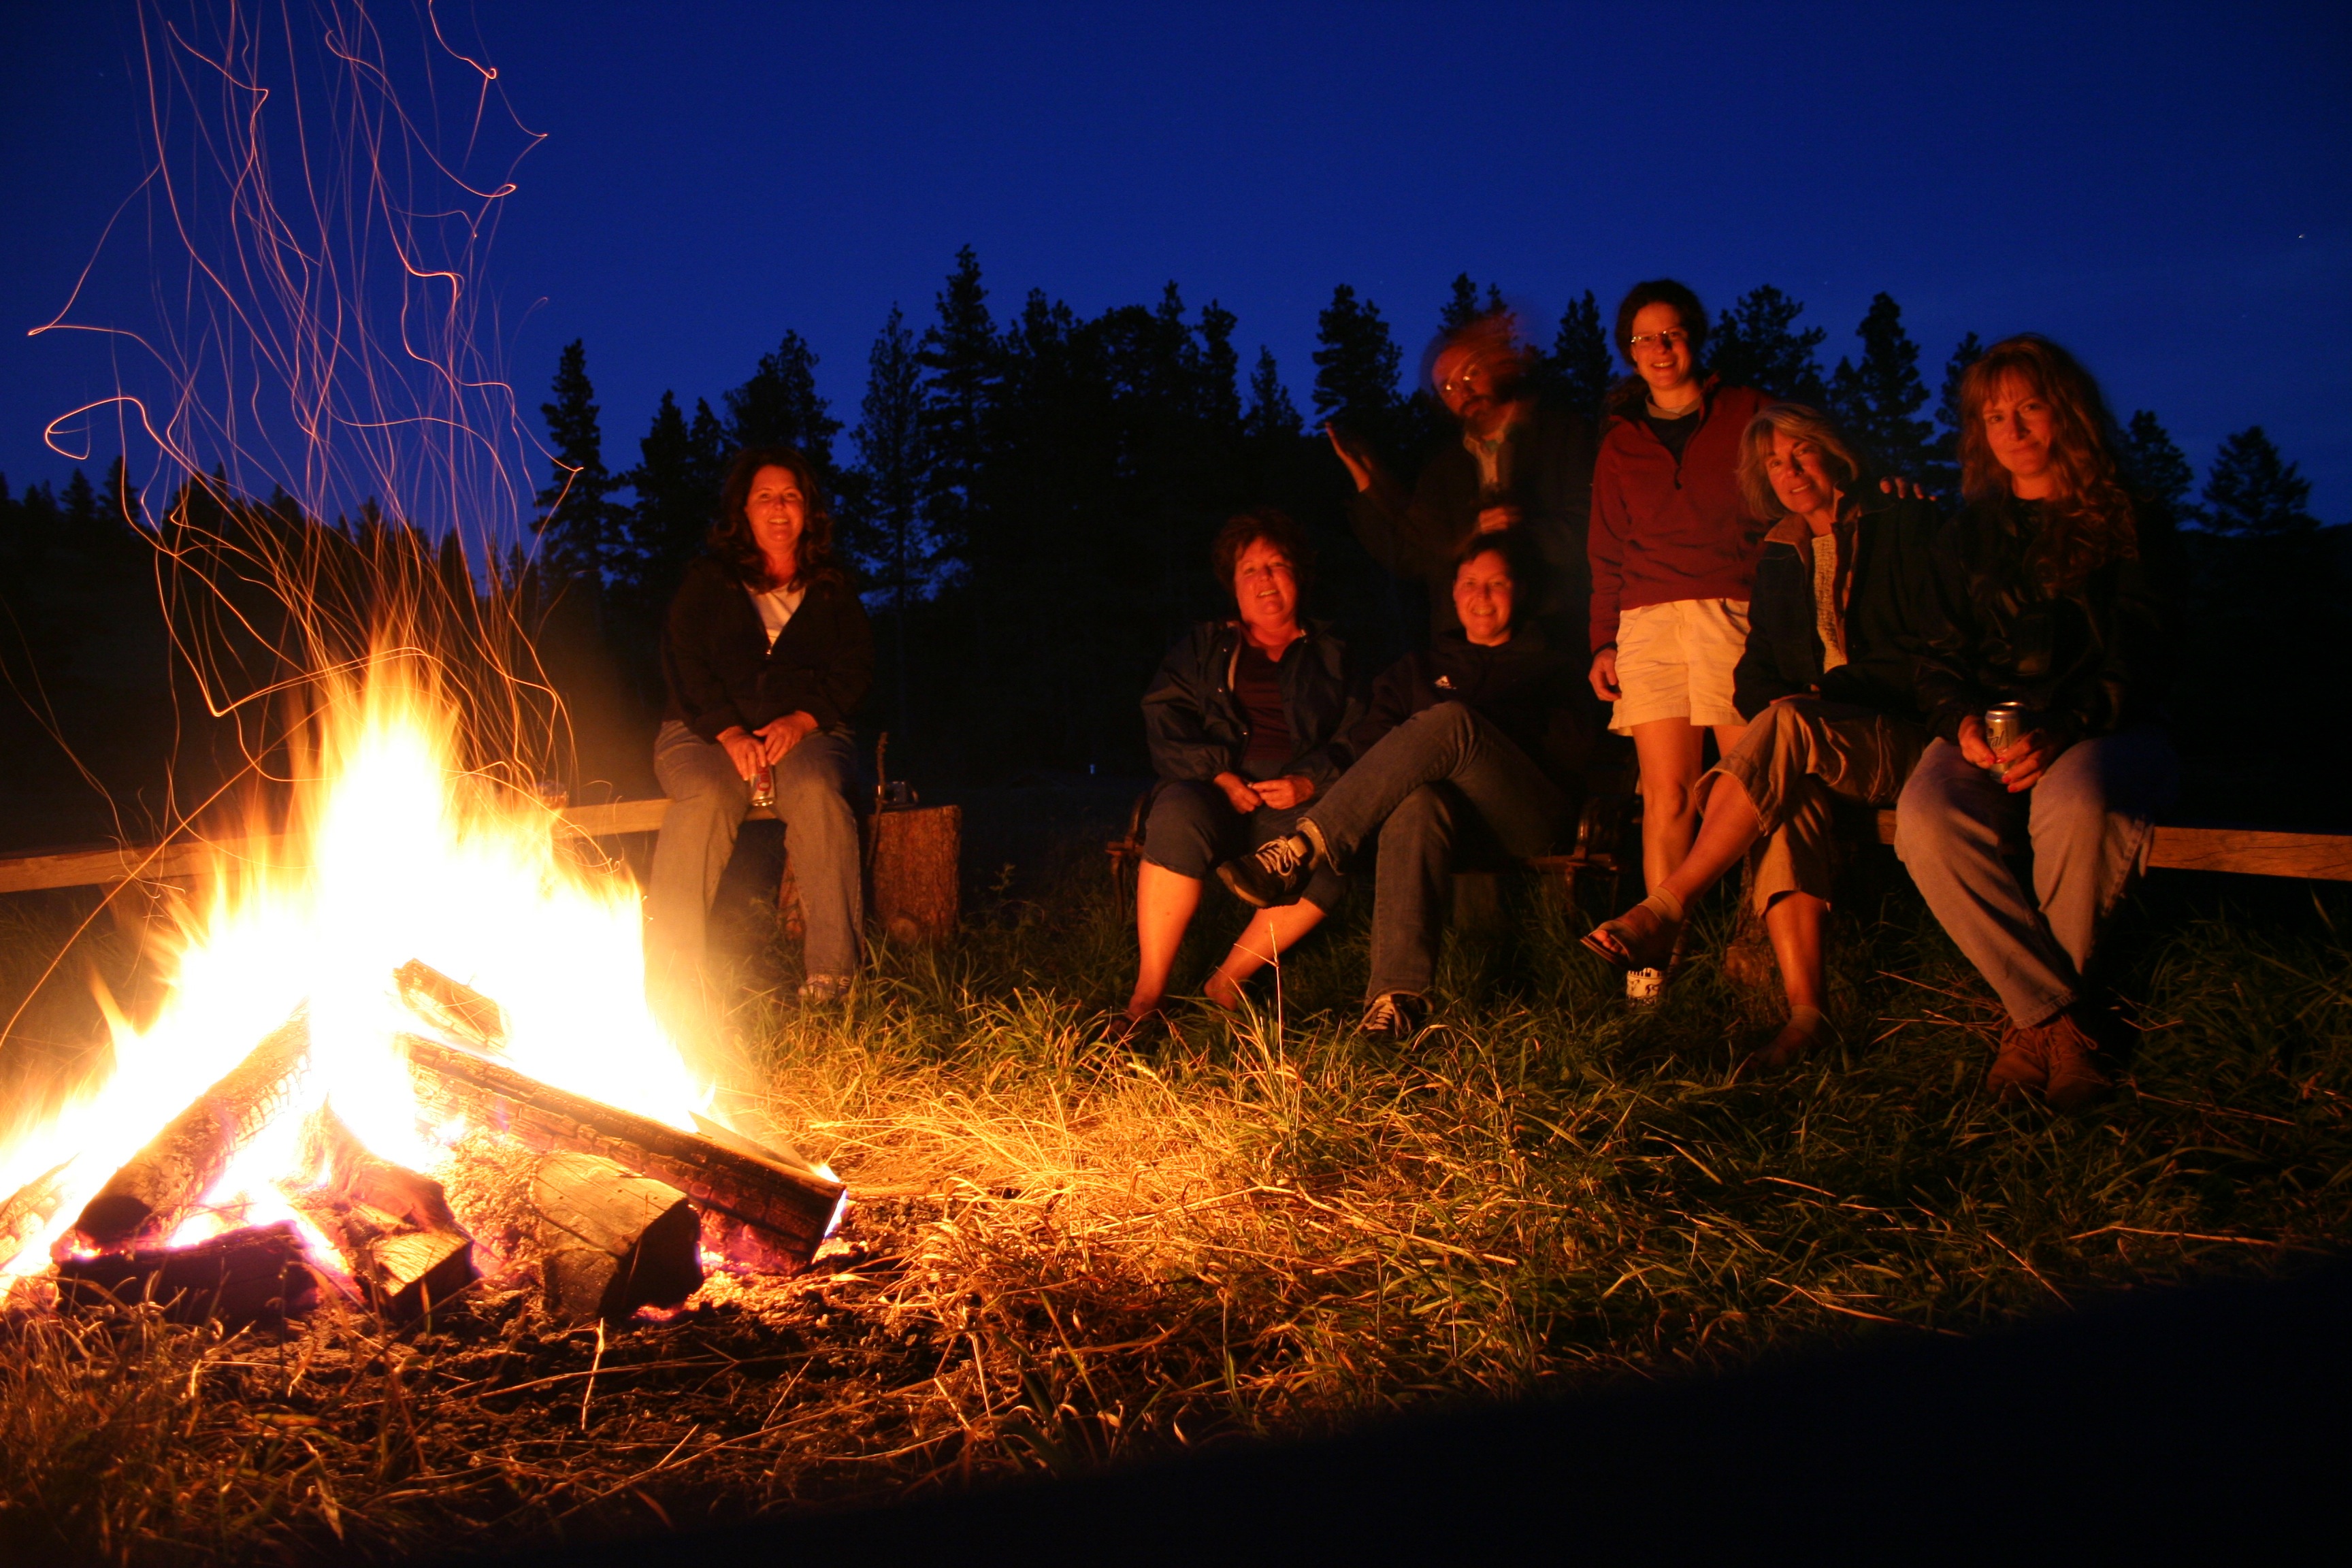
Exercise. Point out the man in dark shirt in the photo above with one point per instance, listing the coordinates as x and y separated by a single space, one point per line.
1517 461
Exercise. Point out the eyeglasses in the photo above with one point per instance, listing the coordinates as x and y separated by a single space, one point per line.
1672 337
1460 380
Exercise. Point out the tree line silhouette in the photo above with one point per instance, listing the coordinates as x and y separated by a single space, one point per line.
1027 497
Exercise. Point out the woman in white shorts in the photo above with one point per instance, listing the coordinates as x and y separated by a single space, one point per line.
1673 549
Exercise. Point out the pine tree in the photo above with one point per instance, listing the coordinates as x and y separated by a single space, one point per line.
780 407
79 503
1356 367
1272 416
1579 367
2157 467
1220 402
1754 344
677 494
1876 400
962 364
577 523
1464 306
1943 456
890 441
121 504
2252 491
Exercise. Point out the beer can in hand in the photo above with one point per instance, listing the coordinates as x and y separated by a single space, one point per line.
2005 725
763 787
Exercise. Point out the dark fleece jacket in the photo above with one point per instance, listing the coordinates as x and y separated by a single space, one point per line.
2089 661
720 671
1889 579
1532 691
1550 474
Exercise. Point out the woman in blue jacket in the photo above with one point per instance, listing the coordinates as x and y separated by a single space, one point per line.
1245 720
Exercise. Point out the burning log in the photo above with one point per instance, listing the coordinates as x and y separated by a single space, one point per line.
392 1224
36 1203
614 1240
786 1210
242 1276
165 1181
451 1005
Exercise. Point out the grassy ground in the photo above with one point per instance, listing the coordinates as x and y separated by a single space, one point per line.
1064 1259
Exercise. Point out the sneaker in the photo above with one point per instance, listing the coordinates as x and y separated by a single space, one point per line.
1398 1016
1275 874
2076 1080
825 990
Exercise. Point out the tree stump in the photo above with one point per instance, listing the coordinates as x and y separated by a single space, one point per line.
913 858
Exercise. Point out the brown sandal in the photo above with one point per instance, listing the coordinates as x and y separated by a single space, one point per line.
1620 946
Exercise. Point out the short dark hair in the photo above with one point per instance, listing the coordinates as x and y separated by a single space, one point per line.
1272 524
1520 558
730 535
1662 292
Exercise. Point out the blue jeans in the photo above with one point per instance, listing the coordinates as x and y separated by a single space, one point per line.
1441 773
2089 818
708 801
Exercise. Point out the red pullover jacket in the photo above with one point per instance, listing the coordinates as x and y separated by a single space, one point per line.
1664 530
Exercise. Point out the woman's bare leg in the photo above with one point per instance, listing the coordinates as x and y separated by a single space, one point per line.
1164 902
1669 750
1270 933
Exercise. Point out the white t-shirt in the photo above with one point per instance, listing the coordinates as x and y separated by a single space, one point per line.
776 606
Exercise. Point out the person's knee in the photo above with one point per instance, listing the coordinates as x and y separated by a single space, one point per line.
1181 832
1420 816
1665 797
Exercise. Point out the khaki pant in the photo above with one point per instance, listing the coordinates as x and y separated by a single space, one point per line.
1797 757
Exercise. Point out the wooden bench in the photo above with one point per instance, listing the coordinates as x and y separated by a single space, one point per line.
911 855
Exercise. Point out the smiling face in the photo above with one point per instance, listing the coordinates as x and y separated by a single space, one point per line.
1662 353
776 510
1483 592
2018 426
1266 587
1800 476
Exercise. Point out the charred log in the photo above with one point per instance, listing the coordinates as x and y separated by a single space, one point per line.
164 1181
787 1209
451 1006
28 1211
392 1224
242 1276
613 1240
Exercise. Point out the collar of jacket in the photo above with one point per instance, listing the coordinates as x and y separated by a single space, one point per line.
1630 403
1792 529
1309 632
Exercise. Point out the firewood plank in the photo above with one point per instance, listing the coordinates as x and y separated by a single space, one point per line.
645 1232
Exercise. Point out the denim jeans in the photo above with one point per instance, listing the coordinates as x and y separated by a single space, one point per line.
1443 773
2089 818
708 800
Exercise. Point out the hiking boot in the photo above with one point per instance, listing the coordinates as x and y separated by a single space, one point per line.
2076 1080
1276 874
2021 1071
1397 1016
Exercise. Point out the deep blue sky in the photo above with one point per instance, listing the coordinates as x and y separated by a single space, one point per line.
2167 189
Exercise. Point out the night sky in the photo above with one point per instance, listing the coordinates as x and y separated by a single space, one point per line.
2167 190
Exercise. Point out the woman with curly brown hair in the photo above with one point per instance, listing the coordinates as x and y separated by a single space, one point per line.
2042 596
767 656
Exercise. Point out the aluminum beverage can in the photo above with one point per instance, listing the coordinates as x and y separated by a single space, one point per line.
763 787
2005 725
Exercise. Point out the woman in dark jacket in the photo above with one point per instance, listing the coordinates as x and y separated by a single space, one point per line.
2043 599
767 656
1481 739
1244 721
1825 684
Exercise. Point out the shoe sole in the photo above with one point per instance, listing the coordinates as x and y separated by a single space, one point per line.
1233 886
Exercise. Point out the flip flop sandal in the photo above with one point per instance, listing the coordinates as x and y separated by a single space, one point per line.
1615 943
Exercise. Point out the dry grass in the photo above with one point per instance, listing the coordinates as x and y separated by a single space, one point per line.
1064 1259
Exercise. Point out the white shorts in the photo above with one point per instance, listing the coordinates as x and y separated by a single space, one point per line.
1676 661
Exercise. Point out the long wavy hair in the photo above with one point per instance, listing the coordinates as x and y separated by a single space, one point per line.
731 539
2090 519
1799 422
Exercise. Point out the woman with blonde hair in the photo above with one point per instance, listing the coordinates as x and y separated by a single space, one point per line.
2043 603
1824 682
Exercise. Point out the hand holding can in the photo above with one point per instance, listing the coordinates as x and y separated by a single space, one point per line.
2006 724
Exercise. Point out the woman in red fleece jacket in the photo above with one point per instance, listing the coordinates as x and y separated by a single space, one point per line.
1673 549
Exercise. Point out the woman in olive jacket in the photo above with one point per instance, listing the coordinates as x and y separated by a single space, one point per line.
767 657
1245 719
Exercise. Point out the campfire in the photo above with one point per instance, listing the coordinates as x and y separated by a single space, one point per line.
406 1051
